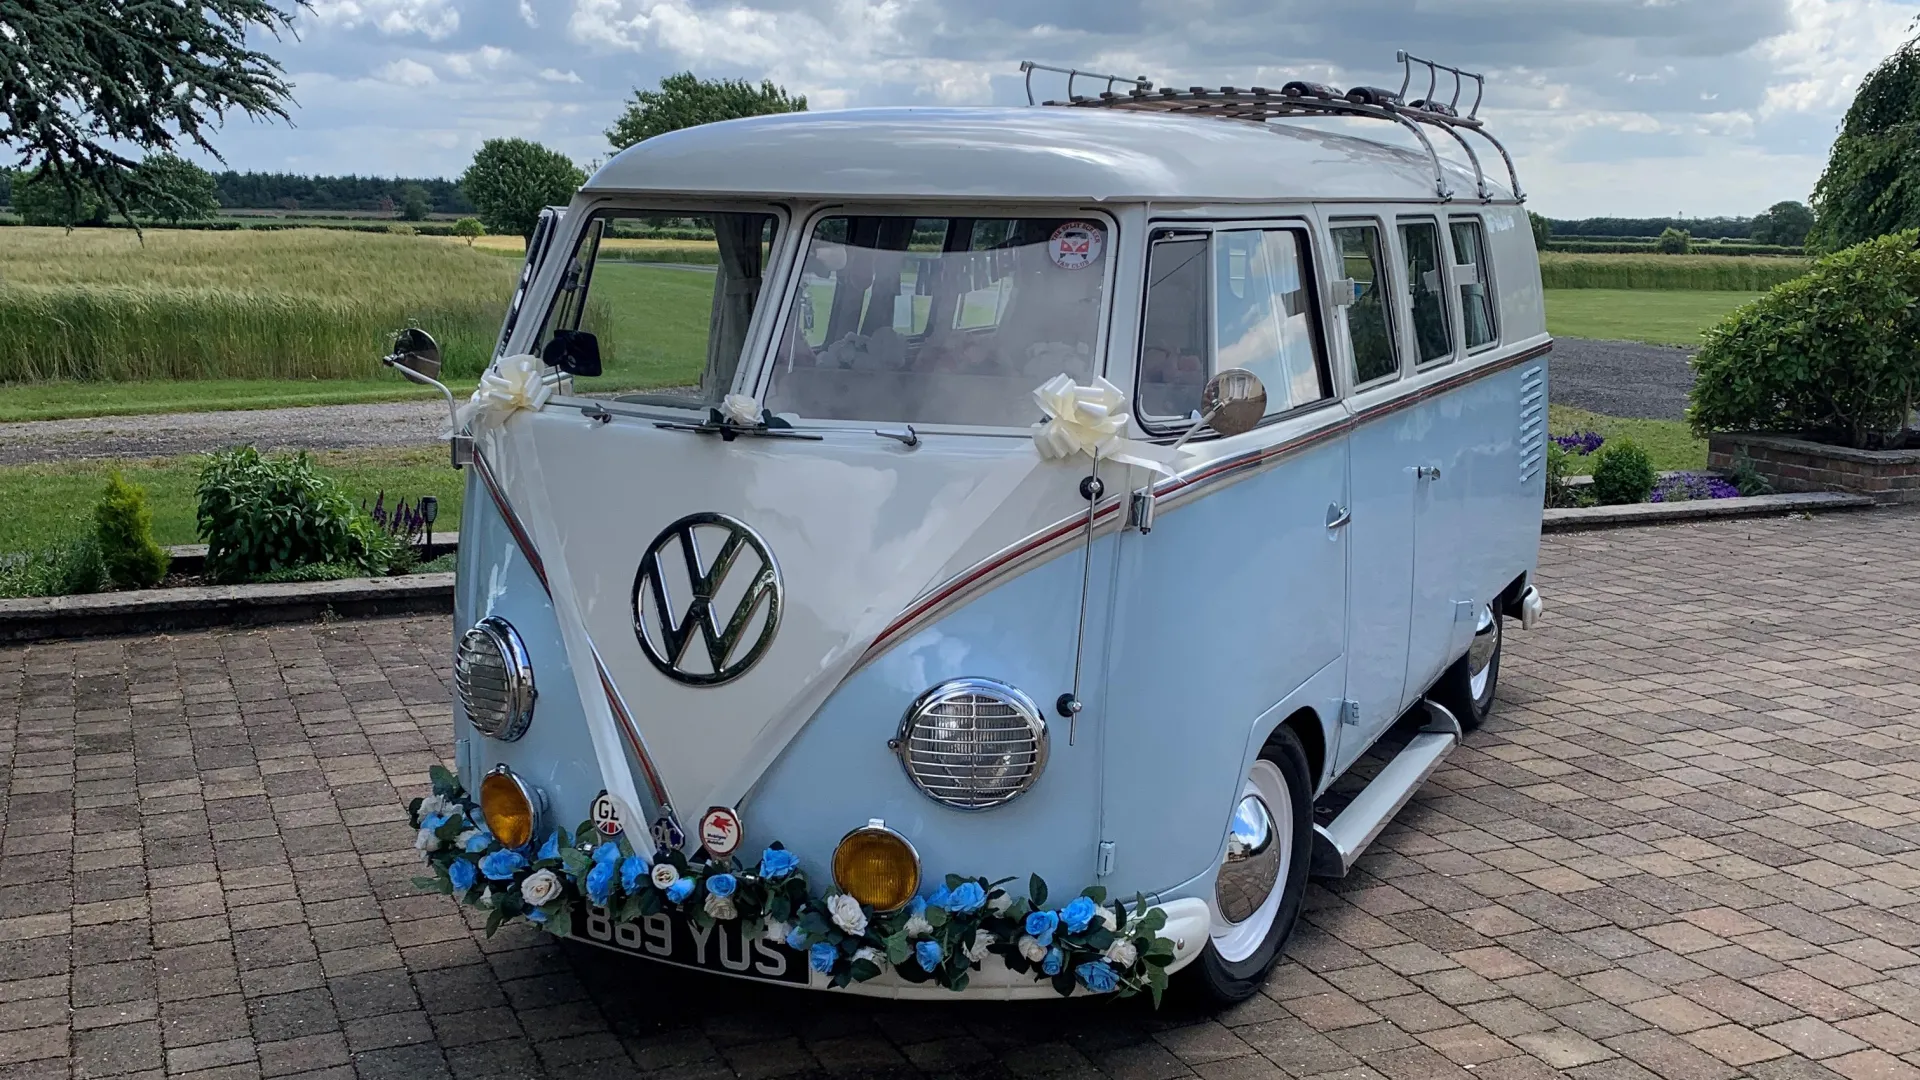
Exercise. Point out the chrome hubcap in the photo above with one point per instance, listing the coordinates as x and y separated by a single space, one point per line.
1252 867
1486 643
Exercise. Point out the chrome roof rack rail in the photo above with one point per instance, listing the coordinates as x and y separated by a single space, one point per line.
1297 98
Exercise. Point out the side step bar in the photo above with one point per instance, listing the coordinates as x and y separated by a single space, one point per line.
1337 844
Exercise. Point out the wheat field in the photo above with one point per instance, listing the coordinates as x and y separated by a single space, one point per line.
1714 273
108 304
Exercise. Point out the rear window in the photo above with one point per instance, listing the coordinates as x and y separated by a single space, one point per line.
940 320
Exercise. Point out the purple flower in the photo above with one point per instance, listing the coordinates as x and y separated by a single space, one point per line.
1580 442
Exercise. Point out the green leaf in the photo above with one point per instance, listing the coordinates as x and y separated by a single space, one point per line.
898 948
1095 893
937 917
433 884
1037 891
494 918
444 783
560 923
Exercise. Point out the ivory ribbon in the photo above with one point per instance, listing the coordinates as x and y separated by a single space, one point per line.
1089 420
511 384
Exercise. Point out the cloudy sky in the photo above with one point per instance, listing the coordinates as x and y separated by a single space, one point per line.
1629 107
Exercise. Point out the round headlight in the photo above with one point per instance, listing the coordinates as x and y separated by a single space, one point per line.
973 743
494 680
511 809
877 867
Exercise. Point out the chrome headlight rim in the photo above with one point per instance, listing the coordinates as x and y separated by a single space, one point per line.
1006 694
519 694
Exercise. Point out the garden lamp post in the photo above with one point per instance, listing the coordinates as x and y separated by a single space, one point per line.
429 509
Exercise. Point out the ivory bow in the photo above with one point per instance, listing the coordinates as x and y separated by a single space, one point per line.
513 383
1089 420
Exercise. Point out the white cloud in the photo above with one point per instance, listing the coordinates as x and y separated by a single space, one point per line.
527 16
556 75
433 18
484 58
408 72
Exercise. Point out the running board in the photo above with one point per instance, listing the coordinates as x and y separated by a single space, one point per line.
1337 844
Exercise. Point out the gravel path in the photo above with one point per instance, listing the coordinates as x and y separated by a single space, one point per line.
1621 378
1614 378
317 427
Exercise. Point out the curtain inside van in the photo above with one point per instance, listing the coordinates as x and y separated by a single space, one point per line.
739 238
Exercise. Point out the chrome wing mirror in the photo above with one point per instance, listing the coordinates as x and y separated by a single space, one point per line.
416 356
1233 403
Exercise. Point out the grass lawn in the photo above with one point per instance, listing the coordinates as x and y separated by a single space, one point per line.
1674 317
51 503
1670 443
63 400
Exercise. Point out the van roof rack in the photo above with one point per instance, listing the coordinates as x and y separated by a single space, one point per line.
1299 98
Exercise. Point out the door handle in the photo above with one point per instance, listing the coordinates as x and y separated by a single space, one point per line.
1338 516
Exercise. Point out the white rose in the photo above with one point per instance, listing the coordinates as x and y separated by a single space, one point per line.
918 927
1031 949
721 907
977 952
776 932
740 409
664 875
1122 954
1000 904
1104 918
435 804
871 955
426 840
461 840
540 888
847 914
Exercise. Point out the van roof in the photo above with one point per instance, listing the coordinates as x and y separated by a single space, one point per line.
1026 154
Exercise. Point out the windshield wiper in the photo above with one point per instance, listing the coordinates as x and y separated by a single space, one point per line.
769 427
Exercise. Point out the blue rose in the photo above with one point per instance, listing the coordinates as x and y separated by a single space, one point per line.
917 908
462 873
940 898
503 864
1055 960
928 953
1041 925
796 938
722 885
535 915
633 872
479 842
777 862
1078 914
606 853
969 897
680 890
822 957
434 821
600 882
1098 976
551 849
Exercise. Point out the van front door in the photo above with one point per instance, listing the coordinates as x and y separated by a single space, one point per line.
1380 530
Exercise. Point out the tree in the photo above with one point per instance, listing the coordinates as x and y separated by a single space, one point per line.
168 187
1785 223
40 199
469 228
83 82
414 204
1872 183
1542 230
684 101
1674 242
512 180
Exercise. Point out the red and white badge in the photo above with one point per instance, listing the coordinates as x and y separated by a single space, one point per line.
1076 245
606 815
720 831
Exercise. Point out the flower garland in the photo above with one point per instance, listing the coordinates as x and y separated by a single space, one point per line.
940 938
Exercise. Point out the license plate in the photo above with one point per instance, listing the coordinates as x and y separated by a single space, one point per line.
676 939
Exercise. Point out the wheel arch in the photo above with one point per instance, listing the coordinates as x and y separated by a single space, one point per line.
1306 726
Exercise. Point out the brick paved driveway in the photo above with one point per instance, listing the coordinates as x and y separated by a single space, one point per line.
1688 846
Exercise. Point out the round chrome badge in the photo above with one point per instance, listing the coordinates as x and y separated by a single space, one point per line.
731 602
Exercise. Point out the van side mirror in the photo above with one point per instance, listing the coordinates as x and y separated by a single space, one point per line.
1233 403
575 352
415 350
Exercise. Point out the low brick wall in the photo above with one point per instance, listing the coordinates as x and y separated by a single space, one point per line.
1791 464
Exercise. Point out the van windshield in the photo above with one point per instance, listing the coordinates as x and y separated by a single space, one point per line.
943 320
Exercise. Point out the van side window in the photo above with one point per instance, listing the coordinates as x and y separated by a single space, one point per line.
1369 317
1426 290
1262 319
1472 273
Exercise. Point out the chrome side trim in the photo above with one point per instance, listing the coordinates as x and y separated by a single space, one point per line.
1339 843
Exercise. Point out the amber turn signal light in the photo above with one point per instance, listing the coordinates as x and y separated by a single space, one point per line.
877 867
508 806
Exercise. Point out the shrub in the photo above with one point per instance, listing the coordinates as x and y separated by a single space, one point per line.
1834 354
310 572
1560 494
470 228
123 525
1623 474
1748 479
263 513
1674 242
63 571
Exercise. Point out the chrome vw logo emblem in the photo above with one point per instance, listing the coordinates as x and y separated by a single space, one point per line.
679 595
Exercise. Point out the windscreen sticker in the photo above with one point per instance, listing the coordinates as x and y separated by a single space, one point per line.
1076 245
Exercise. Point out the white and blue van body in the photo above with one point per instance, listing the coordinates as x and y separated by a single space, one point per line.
865 601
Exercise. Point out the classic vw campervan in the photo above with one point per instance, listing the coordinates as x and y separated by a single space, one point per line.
1080 524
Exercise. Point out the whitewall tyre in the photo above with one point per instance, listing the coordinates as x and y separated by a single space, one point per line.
1263 879
1468 686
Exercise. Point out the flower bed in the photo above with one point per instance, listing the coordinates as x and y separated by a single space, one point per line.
1621 476
940 938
